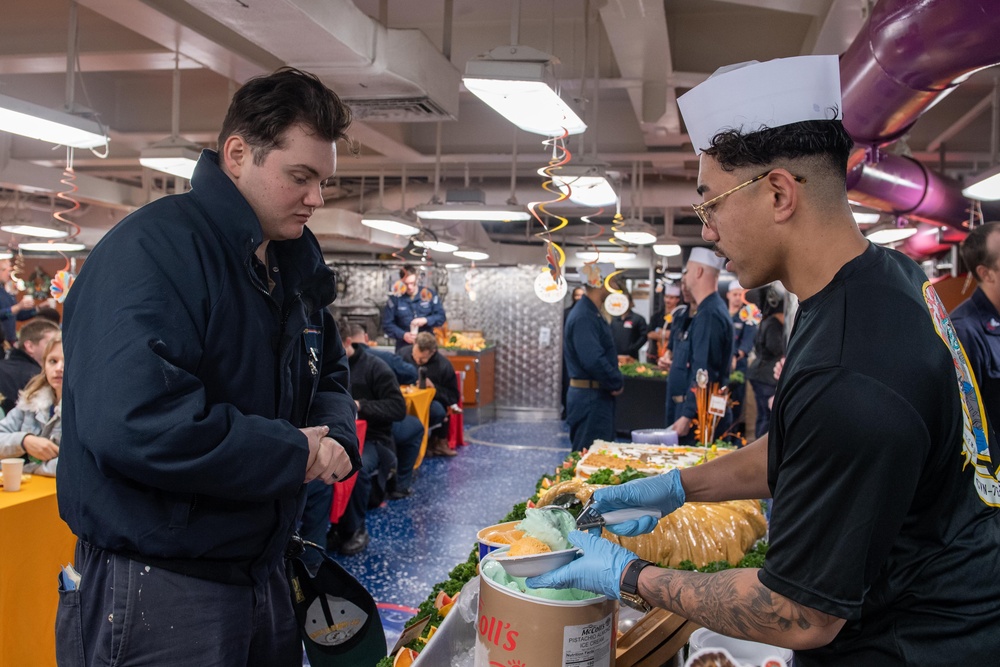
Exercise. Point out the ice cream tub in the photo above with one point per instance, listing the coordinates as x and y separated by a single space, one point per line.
516 628
492 538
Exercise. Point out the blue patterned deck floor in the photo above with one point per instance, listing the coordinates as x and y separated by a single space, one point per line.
416 541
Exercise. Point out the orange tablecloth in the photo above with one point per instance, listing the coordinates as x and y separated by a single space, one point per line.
418 404
34 543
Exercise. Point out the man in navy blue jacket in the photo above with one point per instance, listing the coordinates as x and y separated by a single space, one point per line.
592 364
977 319
418 310
206 385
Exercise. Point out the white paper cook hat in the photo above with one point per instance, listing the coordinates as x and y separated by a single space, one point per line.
753 95
707 257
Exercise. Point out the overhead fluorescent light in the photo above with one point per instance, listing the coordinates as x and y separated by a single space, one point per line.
864 218
49 246
474 255
985 186
883 236
634 231
667 249
605 256
57 127
6 255
437 246
176 159
386 221
516 82
472 212
587 185
27 229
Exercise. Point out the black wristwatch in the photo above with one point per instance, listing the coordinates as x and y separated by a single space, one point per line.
629 589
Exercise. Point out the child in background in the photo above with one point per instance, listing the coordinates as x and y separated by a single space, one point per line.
33 429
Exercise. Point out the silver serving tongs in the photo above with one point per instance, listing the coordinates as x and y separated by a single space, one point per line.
590 518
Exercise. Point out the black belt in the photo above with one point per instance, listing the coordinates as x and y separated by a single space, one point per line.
585 384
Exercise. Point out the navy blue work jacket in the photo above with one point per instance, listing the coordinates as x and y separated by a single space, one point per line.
187 383
977 324
401 310
588 347
705 340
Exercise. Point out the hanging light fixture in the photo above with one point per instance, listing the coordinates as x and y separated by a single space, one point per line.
56 127
51 246
985 186
384 220
24 225
635 231
435 245
519 83
173 155
474 255
612 256
585 184
665 248
892 232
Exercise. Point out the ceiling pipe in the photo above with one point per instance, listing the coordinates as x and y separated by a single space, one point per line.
908 56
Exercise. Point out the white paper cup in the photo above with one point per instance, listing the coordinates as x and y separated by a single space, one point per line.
12 469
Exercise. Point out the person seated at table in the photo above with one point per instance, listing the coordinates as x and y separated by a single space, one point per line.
439 374
407 432
380 402
33 428
24 360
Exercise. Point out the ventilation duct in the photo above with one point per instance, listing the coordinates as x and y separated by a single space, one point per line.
383 74
908 56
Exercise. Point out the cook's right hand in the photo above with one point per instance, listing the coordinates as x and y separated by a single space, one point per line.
663 363
41 448
409 337
662 492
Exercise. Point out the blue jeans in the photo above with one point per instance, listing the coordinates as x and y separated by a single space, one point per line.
438 412
315 521
357 505
408 434
128 613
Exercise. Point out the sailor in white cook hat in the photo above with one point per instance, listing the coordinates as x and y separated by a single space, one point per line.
884 528
702 341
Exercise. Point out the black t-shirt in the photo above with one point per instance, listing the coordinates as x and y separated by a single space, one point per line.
876 516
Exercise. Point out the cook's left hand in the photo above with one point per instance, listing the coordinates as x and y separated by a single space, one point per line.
599 569
418 321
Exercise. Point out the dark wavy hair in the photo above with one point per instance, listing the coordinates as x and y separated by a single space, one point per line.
266 106
974 251
826 140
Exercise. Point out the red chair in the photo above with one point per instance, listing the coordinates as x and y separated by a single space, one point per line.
342 490
456 423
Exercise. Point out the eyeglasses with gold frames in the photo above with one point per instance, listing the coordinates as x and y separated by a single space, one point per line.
701 210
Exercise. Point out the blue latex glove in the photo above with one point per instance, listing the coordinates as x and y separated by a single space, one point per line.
662 492
599 569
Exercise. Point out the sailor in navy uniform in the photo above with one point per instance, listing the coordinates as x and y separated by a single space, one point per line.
701 340
977 319
592 363
412 307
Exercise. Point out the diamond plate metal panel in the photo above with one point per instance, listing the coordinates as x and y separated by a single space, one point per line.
505 309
